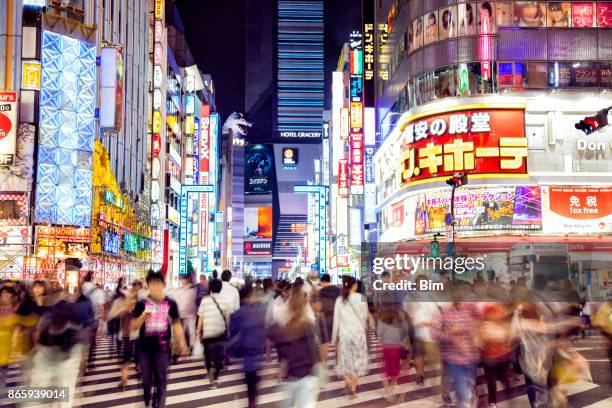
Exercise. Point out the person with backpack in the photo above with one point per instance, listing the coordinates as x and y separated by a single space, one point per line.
157 318
212 329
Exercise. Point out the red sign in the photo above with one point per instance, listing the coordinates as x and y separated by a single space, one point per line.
397 214
604 14
258 248
357 174
581 203
343 178
204 147
582 14
156 144
480 141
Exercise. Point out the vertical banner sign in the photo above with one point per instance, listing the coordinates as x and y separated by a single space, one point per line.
8 128
343 178
356 166
356 113
368 52
212 179
344 124
383 68
157 142
204 174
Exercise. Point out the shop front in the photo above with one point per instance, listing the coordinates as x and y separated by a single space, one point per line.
538 198
121 241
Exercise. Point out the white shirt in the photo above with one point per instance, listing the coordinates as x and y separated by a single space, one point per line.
231 294
185 298
214 325
421 315
350 317
95 295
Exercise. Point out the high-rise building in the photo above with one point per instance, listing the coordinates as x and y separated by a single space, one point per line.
285 100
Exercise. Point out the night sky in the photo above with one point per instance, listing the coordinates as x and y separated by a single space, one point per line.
215 33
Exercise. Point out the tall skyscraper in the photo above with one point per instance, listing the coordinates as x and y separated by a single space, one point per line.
299 70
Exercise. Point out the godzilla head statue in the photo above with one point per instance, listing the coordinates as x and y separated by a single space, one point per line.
236 124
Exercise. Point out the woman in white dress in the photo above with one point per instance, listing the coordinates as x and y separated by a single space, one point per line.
349 334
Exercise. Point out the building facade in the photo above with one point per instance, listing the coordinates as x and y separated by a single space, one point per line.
493 89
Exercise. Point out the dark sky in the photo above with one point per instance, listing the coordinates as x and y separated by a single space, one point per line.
215 33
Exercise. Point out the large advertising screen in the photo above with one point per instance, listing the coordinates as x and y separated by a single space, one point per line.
489 142
480 209
257 222
67 129
577 209
259 164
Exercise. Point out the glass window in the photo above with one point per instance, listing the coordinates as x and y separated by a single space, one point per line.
447 23
431 27
583 14
559 75
529 14
486 18
448 82
536 76
410 38
559 14
585 74
605 75
504 74
467 21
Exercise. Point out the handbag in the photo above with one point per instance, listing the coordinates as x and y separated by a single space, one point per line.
227 333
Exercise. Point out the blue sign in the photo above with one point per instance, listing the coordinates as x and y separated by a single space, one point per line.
111 243
183 215
321 221
369 165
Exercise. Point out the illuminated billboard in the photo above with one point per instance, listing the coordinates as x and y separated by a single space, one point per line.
111 88
66 131
488 142
258 172
8 127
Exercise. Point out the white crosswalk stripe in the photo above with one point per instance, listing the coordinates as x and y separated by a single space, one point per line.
189 388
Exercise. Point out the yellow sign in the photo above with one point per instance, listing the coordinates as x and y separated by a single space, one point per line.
356 115
157 122
159 9
189 125
30 75
344 123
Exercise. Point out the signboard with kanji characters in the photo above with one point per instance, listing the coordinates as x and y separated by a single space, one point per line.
488 142
480 209
343 178
578 209
356 163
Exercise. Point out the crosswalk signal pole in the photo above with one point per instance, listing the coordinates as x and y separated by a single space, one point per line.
457 180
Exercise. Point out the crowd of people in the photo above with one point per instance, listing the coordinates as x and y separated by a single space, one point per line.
52 333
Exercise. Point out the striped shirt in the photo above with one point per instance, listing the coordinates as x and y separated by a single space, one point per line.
456 329
214 325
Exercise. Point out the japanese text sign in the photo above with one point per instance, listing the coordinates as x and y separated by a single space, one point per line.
479 141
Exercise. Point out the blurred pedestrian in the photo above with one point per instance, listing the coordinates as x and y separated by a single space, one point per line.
185 297
64 333
496 349
213 321
328 294
229 291
349 333
248 339
299 352
393 331
156 317
454 329
201 289
123 310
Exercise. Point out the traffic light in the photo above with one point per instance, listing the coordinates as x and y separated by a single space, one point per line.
434 249
457 180
592 123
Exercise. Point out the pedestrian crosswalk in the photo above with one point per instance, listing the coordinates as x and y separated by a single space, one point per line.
188 386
